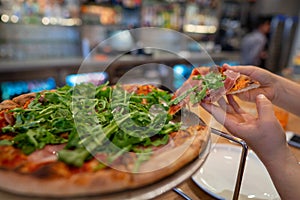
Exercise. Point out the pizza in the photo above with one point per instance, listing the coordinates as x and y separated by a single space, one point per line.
91 140
206 85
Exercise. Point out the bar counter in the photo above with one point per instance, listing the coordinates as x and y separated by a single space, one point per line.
114 65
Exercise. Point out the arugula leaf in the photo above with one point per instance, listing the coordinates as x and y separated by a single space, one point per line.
210 81
43 121
74 157
183 96
198 96
36 139
5 142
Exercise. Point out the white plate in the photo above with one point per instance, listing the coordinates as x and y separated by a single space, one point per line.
218 174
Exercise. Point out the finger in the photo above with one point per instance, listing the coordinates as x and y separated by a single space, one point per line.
207 106
225 106
251 71
248 95
226 66
234 104
222 103
247 70
261 75
218 113
230 122
264 107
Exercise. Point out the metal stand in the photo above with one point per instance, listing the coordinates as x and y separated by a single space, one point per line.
241 169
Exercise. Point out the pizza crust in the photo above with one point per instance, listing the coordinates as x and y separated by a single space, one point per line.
77 185
23 98
8 105
243 84
189 151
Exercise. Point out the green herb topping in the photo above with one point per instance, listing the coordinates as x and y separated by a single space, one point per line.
210 81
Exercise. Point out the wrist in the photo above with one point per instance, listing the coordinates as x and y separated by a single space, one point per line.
285 173
279 90
286 95
281 156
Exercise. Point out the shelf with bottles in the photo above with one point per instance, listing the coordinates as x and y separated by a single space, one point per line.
39 29
29 41
41 12
162 14
111 13
194 17
201 17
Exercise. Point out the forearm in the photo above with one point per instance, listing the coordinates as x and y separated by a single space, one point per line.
284 170
287 95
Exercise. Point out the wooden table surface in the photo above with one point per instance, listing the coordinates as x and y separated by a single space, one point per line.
191 189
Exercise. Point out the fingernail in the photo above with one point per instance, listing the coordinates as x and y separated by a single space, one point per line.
261 96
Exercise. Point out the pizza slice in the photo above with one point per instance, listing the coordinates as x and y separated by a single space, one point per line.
205 85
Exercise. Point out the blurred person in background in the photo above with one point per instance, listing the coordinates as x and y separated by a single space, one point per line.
254 44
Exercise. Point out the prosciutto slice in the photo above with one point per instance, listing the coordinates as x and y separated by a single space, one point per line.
47 154
229 82
211 95
231 78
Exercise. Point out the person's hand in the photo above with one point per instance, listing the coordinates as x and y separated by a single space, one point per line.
263 133
266 79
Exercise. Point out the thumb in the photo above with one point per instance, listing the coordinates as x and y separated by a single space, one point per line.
264 107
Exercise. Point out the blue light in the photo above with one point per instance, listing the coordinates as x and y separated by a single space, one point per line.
12 89
179 69
181 73
97 78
